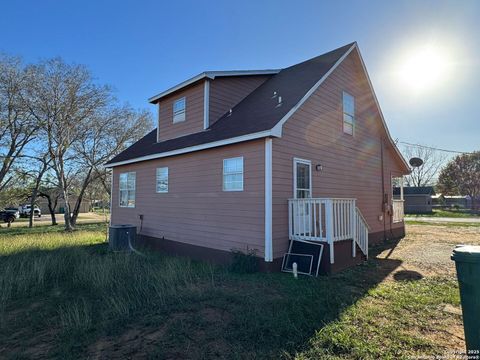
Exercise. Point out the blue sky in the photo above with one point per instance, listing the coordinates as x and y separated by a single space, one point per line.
143 47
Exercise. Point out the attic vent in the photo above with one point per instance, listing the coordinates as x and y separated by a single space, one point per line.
279 102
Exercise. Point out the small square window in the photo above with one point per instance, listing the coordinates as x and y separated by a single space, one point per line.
348 113
162 180
179 107
233 174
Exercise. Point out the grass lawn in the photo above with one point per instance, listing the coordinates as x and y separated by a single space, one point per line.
65 296
445 213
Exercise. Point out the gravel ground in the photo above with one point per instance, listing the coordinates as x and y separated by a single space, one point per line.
427 248
434 219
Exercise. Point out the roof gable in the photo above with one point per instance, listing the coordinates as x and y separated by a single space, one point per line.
210 75
253 117
260 114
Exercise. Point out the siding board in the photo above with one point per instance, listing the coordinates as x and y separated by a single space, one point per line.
193 113
196 210
351 165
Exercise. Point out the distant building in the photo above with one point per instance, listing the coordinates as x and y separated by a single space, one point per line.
452 201
417 199
42 203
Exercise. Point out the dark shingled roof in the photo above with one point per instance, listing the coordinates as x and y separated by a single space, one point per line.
415 190
255 113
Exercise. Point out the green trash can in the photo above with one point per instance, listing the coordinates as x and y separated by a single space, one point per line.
467 262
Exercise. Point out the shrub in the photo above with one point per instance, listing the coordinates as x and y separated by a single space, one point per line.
244 263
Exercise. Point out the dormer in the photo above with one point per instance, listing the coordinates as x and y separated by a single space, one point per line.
196 104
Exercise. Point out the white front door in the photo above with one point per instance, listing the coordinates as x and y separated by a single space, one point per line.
302 189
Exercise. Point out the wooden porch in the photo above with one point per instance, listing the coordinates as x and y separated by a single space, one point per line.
328 220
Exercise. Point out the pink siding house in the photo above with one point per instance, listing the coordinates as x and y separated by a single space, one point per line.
248 160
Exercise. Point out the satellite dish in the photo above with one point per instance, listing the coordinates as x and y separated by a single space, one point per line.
416 162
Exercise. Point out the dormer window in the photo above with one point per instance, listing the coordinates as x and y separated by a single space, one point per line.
179 110
348 113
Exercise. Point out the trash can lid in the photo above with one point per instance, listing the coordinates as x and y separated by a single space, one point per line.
466 253
121 226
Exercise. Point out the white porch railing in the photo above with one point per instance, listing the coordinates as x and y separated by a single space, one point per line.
329 220
361 232
398 212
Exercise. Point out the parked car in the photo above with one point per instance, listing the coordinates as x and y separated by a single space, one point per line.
14 211
7 217
25 211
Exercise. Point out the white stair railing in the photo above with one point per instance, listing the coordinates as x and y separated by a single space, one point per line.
328 219
361 232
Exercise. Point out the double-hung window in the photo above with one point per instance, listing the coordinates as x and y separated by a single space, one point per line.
179 107
233 174
162 180
127 189
348 113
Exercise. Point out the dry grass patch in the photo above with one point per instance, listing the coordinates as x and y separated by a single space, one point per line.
65 296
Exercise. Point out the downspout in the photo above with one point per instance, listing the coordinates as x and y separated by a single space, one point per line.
111 204
268 200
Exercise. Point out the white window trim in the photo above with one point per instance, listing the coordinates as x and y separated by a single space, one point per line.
300 161
348 114
156 180
206 105
243 174
158 123
184 110
120 190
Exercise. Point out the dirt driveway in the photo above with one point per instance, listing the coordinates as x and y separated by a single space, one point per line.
427 248
425 252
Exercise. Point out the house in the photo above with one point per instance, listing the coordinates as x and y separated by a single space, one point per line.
42 203
246 160
417 199
452 201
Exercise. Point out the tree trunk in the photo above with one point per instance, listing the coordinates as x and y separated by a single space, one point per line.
33 198
51 208
78 203
66 215
62 182
38 180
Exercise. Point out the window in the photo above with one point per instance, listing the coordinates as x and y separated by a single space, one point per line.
233 174
348 113
127 189
179 110
302 181
162 180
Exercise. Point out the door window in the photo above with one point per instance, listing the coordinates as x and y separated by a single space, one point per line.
302 176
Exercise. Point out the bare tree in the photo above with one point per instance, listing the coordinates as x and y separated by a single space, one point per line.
83 126
106 135
427 173
65 99
17 125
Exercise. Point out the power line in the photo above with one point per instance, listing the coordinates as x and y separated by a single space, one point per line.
434 148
